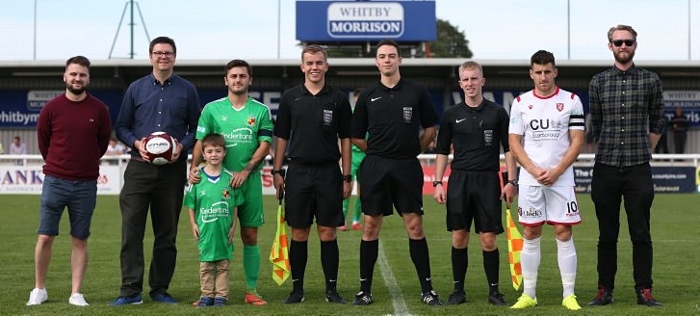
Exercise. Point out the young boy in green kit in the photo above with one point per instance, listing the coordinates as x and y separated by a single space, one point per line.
213 205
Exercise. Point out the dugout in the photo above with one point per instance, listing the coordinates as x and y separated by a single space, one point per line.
26 85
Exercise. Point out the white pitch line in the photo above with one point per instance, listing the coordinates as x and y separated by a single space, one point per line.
400 308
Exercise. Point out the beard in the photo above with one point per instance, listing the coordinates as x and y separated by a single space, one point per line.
623 59
76 91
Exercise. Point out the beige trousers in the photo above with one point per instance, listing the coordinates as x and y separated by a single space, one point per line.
213 277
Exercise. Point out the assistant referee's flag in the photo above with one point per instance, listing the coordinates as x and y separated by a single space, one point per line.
279 254
515 246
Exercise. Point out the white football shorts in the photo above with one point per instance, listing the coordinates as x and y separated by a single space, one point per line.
552 205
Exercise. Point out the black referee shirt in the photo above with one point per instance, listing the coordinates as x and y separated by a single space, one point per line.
476 134
313 123
393 118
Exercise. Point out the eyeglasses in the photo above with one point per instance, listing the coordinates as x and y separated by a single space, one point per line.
627 42
163 54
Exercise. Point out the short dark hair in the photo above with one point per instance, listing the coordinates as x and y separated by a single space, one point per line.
542 57
162 40
313 49
80 60
239 63
214 139
391 43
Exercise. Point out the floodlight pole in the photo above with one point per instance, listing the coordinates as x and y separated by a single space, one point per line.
568 28
279 26
690 38
35 29
131 4
131 28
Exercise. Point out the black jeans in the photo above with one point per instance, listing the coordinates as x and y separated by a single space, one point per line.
609 185
161 188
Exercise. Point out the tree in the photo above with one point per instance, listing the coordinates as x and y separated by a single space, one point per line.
450 43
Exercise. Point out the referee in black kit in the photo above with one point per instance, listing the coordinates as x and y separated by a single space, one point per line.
393 110
311 118
477 129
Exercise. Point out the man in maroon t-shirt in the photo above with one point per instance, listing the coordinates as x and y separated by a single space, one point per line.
73 132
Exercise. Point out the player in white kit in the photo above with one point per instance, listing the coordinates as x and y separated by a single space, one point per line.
546 135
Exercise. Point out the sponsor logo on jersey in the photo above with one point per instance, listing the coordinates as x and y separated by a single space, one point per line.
212 214
224 118
239 135
460 120
545 129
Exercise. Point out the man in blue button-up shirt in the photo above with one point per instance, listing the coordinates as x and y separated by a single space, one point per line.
158 102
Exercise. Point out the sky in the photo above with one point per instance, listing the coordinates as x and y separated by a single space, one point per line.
253 29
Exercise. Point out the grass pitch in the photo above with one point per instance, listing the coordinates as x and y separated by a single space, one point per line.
675 234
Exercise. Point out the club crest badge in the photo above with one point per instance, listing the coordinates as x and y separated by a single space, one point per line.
327 117
250 121
560 107
407 114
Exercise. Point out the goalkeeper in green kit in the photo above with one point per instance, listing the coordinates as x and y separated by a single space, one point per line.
357 157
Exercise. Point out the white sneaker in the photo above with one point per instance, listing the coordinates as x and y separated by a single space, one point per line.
37 296
77 299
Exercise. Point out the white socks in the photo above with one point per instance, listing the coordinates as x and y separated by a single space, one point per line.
530 263
567 260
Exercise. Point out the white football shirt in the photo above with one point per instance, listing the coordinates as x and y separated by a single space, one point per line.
544 123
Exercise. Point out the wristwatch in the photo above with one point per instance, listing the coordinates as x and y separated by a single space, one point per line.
436 183
347 177
279 172
514 182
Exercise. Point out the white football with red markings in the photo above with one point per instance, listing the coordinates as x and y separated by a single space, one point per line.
159 148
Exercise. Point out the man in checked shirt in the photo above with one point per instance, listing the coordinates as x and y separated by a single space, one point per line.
626 112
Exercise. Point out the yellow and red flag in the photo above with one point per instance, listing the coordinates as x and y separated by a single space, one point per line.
515 246
279 254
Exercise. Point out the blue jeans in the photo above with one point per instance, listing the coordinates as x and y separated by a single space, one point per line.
79 196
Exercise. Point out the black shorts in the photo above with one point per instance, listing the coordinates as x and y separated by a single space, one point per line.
474 196
313 191
388 183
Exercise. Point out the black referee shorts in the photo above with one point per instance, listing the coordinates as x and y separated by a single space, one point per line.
388 183
313 191
474 196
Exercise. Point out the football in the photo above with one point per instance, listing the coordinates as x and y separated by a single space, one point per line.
159 148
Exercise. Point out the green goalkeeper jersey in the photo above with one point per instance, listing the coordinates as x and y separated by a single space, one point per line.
243 129
214 203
